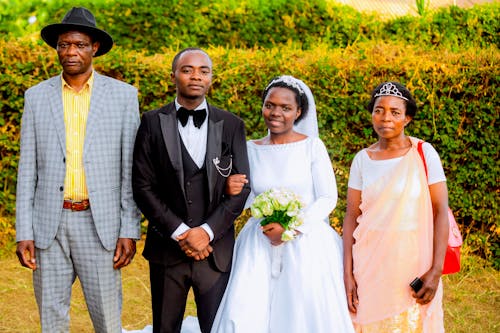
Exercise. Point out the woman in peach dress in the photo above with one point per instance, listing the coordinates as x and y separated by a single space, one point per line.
396 224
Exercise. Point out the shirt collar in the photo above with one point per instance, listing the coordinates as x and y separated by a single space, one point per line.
89 83
203 105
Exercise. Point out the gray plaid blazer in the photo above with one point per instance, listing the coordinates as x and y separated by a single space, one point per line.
107 157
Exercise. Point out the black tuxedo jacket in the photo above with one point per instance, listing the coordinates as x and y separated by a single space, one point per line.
158 183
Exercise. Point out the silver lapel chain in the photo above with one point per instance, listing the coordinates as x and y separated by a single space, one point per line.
224 172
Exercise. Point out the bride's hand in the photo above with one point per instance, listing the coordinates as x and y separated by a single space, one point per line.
273 231
235 183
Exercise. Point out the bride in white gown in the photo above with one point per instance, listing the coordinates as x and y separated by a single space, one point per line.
294 286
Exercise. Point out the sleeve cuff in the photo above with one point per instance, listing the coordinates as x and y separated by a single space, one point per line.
209 231
179 231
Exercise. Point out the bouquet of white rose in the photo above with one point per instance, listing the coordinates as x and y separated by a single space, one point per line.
281 206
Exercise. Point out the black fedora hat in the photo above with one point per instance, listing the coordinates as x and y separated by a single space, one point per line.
78 19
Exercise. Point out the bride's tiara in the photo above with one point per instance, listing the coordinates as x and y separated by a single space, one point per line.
289 81
389 89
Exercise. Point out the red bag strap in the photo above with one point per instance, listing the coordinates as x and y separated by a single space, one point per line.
455 238
421 153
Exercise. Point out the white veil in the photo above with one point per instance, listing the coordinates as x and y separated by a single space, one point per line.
308 125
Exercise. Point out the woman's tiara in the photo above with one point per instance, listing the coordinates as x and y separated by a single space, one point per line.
389 89
289 81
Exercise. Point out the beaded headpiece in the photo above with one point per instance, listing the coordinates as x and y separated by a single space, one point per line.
389 89
289 81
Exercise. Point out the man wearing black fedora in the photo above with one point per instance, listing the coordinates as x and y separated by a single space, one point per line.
76 216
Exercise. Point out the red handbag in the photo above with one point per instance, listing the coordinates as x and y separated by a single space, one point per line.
452 258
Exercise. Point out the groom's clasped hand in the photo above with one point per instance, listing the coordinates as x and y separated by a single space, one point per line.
195 243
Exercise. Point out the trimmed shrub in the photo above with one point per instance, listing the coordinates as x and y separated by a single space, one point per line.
452 27
153 25
457 94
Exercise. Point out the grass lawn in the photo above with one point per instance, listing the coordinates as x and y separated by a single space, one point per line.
471 301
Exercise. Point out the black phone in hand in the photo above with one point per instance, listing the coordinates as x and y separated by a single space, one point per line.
416 284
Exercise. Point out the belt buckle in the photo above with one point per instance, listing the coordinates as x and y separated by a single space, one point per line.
74 205
77 206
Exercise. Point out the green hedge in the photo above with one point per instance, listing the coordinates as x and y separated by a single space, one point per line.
155 24
457 93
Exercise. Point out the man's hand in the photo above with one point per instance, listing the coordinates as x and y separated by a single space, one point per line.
200 255
26 253
124 252
195 239
235 183
195 243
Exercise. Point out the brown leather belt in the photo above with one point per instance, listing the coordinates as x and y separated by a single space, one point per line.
76 205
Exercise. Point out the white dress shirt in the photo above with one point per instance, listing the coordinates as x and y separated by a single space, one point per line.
195 141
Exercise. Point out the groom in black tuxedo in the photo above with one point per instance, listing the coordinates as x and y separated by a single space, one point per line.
183 153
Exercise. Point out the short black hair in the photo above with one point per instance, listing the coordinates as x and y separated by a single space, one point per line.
411 104
300 96
181 52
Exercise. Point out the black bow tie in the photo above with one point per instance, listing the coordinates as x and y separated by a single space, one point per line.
198 116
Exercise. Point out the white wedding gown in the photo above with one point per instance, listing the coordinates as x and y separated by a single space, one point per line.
296 287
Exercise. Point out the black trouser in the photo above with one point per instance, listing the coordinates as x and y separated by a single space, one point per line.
169 290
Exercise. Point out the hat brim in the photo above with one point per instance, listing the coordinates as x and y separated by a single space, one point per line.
50 34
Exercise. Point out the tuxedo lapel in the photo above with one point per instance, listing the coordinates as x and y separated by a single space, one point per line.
170 133
214 144
56 107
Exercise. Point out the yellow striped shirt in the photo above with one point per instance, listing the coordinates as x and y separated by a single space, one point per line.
76 110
